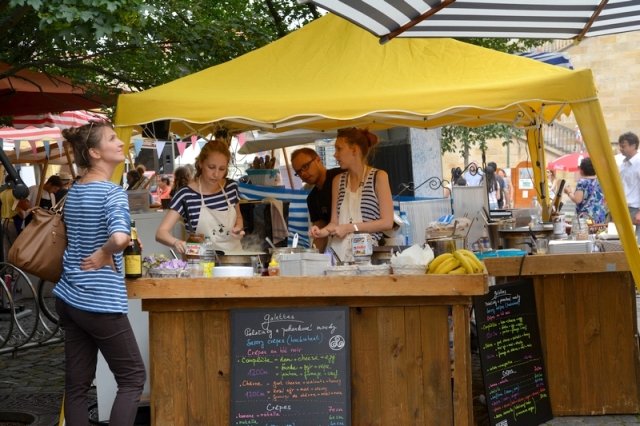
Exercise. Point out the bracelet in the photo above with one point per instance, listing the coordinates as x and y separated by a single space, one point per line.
355 227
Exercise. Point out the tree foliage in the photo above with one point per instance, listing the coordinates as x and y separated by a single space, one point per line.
138 44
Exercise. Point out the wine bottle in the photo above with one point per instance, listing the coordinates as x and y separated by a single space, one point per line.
133 255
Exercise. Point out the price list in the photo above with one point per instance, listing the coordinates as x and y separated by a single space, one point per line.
290 367
511 357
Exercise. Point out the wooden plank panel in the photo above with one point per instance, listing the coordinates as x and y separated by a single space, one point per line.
198 398
199 304
392 364
168 369
462 396
308 287
217 327
365 374
557 264
436 370
415 393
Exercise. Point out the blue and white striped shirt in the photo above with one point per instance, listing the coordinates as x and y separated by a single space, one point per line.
193 201
369 205
92 213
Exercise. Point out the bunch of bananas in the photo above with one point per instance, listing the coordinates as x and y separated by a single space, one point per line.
460 261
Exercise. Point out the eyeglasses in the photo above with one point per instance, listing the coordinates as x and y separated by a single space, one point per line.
304 167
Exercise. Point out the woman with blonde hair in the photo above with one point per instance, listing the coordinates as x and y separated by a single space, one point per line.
361 196
91 297
209 204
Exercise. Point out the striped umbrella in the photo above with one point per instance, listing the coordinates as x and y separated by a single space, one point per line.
547 19
63 120
31 134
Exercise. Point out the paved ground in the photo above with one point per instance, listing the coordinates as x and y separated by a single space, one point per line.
32 382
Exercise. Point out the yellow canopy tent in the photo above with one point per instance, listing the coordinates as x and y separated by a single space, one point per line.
333 74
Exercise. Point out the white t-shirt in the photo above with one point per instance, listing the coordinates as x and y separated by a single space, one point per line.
33 196
630 175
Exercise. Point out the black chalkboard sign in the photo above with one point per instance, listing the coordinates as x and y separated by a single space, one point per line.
512 365
290 367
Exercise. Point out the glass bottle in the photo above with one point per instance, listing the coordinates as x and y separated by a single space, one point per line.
133 255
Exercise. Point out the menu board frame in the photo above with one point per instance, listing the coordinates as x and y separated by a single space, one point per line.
312 344
513 370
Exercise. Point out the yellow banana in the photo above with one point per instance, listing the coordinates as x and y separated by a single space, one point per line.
458 271
447 266
464 261
438 261
478 266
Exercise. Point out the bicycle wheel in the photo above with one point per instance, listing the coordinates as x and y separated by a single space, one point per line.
46 300
6 314
25 311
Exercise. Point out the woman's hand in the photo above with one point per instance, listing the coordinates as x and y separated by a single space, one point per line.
342 231
180 246
317 232
567 189
237 232
97 260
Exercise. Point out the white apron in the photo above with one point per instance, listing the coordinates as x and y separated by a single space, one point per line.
217 225
349 213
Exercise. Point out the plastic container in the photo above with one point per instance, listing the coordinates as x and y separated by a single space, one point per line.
343 270
406 229
306 264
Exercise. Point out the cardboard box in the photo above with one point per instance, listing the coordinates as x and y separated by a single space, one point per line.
138 200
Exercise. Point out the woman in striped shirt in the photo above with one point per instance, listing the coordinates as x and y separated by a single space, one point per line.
209 204
91 295
361 197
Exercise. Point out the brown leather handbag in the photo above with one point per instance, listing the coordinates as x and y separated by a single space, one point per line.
39 248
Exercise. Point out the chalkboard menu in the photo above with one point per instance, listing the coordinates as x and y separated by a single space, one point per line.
290 367
510 355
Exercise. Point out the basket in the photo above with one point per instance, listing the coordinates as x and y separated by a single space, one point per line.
409 269
376 270
612 245
167 273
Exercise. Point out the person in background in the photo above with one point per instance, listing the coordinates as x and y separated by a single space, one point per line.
67 180
209 204
508 192
164 188
552 184
181 177
501 184
361 196
133 176
588 195
307 165
48 196
472 175
11 218
91 297
630 175
493 188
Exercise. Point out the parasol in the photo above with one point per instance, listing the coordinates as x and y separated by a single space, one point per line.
569 162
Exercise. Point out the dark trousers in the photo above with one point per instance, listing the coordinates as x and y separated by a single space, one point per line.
86 333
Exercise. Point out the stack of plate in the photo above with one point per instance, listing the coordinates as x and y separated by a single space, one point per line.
570 246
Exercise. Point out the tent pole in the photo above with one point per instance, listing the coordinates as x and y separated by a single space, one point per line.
286 162
69 162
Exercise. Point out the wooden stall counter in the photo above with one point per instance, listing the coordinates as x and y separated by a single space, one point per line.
401 368
586 306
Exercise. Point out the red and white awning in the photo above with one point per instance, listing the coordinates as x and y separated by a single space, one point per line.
52 134
63 120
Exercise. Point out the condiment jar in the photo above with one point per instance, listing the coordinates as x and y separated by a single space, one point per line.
274 268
